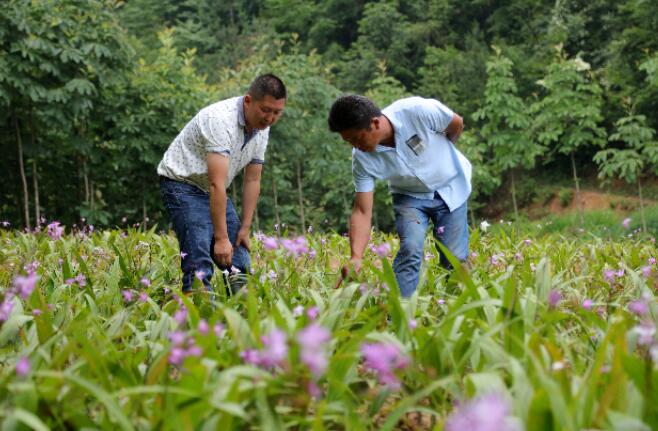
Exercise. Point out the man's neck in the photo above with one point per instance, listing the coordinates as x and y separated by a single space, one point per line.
388 132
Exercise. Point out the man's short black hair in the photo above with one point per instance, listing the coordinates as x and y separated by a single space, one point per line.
267 85
352 112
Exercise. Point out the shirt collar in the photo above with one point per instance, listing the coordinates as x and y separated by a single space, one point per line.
241 120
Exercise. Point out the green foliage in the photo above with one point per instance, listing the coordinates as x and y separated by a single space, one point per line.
565 196
103 353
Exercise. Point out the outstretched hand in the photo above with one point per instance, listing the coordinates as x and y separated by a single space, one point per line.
348 271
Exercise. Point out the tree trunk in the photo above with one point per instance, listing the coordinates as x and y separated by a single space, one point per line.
516 208
639 191
144 213
300 195
85 177
276 200
35 184
35 175
579 203
21 167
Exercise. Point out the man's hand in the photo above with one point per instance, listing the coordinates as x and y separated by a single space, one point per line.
243 238
223 252
350 270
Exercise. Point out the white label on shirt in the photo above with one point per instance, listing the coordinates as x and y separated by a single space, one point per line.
416 144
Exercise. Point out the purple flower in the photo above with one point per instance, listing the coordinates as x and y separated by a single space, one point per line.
651 261
485 413
23 367
176 355
312 340
626 223
441 301
412 324
81 280
127 295
180 315
25 285
200 275
554 297
383 249
384 359
527 241
250 356
645 331
619 273
143 297
203 327
36 312
298 311
271 275
55 230
587 304
183 254
275 349
270 243
638 307
145 282
440 230
312 253
609 275
313 312
646 271
177 337
5 224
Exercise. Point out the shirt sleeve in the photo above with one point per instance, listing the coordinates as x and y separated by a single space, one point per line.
215 132
434 115
363 181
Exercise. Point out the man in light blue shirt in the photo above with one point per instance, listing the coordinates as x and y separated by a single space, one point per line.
410 144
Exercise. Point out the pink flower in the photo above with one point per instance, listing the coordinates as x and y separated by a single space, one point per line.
412 324
203 327
313 312
527 241
651 261
143 297
440 230
217 329
270 243
275 349
626 223
145 282
485 413
554 297
180 316
199 275
23 367
646 271
609 275
183 254
638 307
251 356
298 311
127 295
312 340
176 356
55 230
587 304
384 359
25 285
383 249
177 337
645 331
36 312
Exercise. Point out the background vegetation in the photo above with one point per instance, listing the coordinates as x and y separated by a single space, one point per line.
92 93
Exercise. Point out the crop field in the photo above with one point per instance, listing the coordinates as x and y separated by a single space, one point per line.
541 332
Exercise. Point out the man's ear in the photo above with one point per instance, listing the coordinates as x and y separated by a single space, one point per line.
375 123
247 99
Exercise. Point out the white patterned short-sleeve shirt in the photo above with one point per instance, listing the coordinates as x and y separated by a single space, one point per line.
218 128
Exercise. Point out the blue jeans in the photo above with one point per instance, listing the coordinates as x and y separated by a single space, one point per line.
412 217
189 210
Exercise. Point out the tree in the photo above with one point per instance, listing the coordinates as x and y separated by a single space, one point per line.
567 117
633 161
506 122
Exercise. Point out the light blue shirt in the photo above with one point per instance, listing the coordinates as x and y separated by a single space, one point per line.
423 160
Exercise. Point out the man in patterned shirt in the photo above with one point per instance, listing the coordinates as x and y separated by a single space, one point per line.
198 167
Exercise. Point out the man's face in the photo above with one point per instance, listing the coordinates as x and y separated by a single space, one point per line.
261 114
362 139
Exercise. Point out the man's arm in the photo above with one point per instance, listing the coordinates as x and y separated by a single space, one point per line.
360 223
455 128
217 172
250 193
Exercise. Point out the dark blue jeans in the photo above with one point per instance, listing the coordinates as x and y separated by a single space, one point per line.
412 218
189 210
